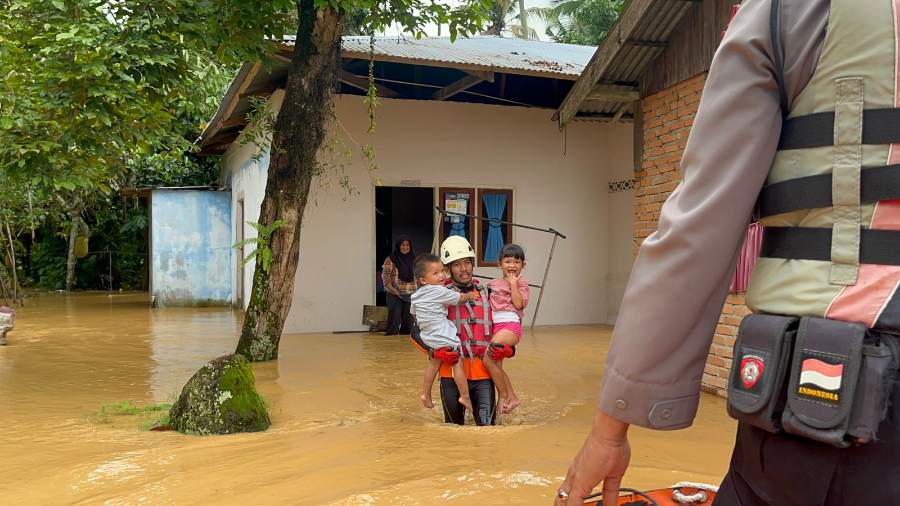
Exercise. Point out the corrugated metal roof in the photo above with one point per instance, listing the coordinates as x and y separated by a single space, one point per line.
629 50
488 52
545 60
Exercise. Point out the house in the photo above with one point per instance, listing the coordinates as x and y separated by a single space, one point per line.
652 68
457 124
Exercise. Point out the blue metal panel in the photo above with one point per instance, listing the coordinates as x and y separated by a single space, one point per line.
191 248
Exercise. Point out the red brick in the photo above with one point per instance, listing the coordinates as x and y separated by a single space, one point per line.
725 330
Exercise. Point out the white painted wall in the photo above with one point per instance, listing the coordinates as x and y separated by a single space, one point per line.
462 145
620 238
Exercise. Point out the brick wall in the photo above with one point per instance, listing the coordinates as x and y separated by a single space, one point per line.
667 120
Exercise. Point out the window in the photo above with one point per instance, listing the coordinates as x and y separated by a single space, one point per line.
461 201
497 205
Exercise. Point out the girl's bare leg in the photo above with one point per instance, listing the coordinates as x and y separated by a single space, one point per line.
434 365
508 398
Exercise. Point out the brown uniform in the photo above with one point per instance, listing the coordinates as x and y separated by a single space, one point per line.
682 272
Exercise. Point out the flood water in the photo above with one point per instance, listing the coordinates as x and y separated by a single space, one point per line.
347 428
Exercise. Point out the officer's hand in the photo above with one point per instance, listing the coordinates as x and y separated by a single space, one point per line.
604 457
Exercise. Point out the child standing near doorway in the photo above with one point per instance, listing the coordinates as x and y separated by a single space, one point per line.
509 297
429 305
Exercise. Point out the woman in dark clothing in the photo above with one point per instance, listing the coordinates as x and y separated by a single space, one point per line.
397 275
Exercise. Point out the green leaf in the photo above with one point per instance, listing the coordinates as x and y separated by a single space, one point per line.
250 257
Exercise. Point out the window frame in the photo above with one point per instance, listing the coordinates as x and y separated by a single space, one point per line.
483 226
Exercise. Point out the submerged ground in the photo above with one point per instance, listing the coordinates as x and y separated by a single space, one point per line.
346 424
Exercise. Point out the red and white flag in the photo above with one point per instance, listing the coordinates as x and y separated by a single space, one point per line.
821 374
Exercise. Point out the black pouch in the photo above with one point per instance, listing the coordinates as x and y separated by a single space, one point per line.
762 355
876 382
839 383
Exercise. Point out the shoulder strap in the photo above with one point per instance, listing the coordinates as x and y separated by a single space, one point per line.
777 48
486 307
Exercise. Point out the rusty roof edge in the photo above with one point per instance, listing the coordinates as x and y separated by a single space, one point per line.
549 74
215 123
612 44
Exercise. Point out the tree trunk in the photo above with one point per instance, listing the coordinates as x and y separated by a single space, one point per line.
299 132
78 225
15 268
523 19
70 260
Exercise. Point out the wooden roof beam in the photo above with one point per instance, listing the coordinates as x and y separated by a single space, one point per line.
614 93
623 30
233 122
602 117
362 83
233 101
280 58
262 90
647 43
219 144
462 84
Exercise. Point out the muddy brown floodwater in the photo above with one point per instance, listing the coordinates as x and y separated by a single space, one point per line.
346 424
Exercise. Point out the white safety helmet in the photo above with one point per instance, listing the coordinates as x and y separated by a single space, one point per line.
455 247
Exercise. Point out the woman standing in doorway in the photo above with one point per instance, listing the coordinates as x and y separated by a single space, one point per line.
397 275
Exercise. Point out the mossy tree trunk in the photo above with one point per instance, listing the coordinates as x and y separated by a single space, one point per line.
78 226
298 134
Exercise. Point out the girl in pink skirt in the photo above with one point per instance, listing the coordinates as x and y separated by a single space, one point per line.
508 297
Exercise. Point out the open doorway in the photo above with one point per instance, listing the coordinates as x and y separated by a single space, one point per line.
401 211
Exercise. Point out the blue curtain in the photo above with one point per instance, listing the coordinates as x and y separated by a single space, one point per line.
494 204
458 228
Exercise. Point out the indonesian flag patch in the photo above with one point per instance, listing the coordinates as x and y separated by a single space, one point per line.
752 367
820 380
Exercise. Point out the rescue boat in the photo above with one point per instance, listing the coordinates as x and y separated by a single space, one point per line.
680 494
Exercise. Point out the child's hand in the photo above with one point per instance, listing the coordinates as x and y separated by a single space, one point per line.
512 278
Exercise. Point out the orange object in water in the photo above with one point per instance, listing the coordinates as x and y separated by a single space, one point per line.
676 495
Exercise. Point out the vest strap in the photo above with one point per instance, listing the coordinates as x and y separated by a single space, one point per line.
485 307
811 192
845 182
881 247
880 126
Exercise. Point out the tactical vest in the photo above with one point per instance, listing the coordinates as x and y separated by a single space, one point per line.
473 325
831 203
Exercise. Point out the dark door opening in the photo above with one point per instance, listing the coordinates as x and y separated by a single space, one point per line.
401 211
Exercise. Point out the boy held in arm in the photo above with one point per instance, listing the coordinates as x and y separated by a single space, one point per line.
429 305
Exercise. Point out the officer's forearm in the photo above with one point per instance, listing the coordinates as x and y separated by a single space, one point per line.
608 428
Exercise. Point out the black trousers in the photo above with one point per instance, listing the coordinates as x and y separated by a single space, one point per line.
398 314
484 401
784 470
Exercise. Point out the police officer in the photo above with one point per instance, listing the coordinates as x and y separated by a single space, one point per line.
800 102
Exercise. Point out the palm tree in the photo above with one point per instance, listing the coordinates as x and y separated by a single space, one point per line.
505 13
579 21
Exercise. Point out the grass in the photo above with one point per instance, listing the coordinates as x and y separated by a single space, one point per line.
151 415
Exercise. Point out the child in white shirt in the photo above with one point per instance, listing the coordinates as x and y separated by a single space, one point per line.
429 305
